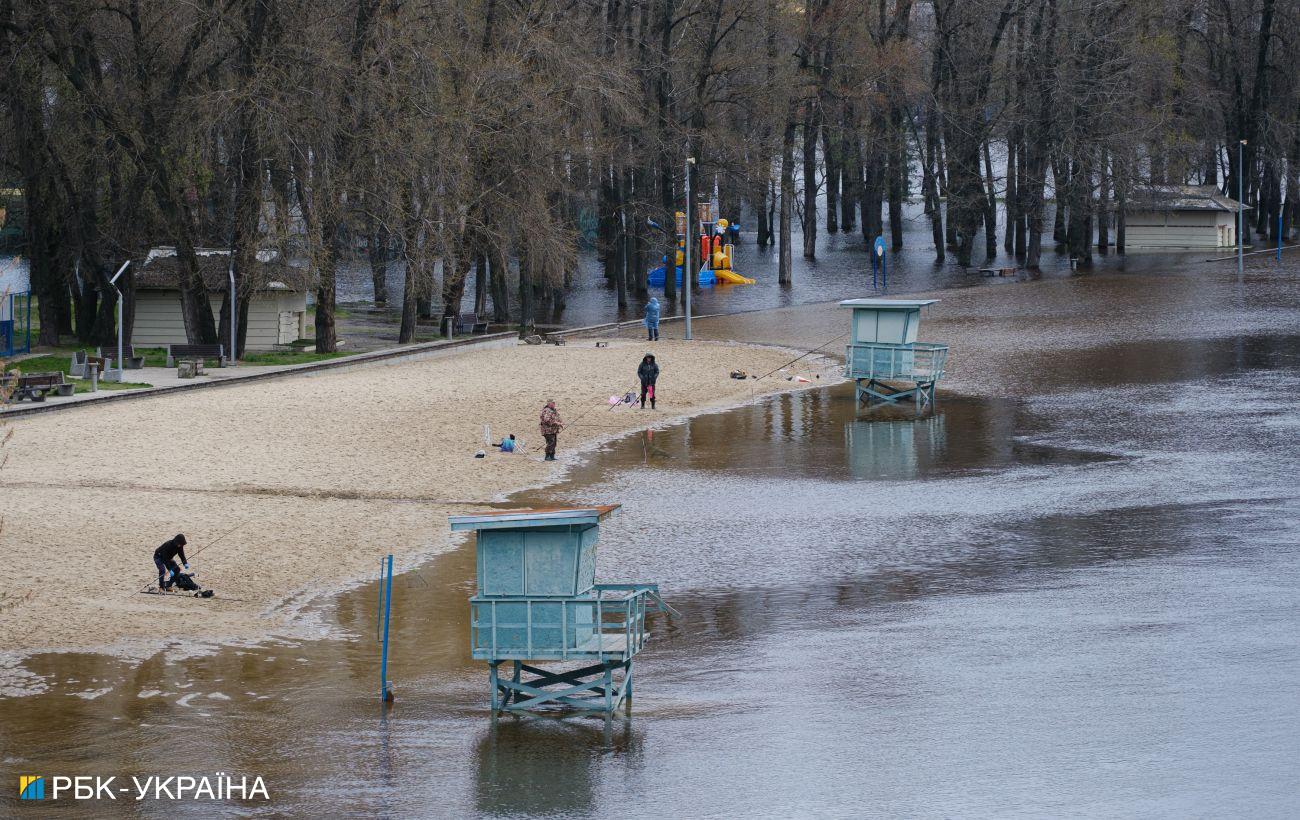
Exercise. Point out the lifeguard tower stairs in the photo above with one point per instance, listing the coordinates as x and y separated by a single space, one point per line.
538 603
884 359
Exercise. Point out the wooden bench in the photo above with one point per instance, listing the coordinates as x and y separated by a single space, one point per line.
202 352
133 362
36 386
470 323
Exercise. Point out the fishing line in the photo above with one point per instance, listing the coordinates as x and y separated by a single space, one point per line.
809 353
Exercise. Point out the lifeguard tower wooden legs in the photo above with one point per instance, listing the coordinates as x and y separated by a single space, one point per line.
873 392
601 687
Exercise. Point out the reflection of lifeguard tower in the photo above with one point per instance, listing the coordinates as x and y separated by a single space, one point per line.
884 349
538 601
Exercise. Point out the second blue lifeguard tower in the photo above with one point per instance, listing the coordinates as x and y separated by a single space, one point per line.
538 602
883 357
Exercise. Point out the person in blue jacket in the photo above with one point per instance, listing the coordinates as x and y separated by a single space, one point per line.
652 319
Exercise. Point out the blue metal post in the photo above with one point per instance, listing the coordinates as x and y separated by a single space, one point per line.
884 270
1279 236
385 694
27 344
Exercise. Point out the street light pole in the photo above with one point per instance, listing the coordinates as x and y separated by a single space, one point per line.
234 306
686 269
1241 204
121 365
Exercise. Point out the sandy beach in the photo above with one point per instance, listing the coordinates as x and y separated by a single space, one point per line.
318 476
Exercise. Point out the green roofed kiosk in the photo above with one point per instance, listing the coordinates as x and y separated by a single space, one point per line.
883 357
538 602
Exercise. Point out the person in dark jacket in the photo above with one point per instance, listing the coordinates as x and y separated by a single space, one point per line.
165 559
648 373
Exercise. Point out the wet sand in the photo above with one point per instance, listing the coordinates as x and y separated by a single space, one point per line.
318 476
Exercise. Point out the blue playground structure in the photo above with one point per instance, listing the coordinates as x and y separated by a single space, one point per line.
538 602
657 276
16 324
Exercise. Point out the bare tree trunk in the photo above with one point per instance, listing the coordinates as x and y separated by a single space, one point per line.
831 154
784 264
810 180
991 206
1103 205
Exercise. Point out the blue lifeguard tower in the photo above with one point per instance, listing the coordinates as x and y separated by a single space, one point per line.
883 352
538 602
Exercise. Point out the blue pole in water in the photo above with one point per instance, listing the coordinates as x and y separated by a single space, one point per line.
384 693
1279 237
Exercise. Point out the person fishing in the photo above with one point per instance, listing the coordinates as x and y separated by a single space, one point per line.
648 373
652 319
165 559
550 425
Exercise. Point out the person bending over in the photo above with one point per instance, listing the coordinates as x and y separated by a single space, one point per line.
165 559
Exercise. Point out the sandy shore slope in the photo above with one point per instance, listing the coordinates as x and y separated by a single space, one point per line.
322 474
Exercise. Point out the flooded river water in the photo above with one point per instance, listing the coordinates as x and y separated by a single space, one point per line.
1085 603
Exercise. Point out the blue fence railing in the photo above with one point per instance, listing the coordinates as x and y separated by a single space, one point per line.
607 623
919 361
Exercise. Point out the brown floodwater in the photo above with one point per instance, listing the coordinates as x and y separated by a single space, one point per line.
1080 602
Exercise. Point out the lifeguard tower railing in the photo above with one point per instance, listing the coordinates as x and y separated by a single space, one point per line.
917 361
607 623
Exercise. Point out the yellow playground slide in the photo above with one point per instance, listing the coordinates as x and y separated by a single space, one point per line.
732 277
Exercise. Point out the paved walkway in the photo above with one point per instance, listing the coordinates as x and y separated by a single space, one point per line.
164 379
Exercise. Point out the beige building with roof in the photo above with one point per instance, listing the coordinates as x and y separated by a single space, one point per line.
1180 217
277 308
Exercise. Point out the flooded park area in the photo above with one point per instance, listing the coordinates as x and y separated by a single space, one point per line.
1070 587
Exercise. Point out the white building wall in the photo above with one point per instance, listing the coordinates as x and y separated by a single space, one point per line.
1165 230
158 319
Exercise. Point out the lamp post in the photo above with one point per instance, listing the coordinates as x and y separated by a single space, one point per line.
234 306
121 365
686 269
1241 204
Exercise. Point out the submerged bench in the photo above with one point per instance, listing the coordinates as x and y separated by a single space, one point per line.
36 386
204 352
470 323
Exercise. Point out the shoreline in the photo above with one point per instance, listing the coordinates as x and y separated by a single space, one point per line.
304 613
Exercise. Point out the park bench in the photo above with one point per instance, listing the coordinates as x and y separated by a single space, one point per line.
201 352
36 386
470 323
133 362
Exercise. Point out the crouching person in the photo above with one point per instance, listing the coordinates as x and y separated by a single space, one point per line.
165 559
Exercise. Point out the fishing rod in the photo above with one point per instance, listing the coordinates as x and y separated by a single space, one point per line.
809 353
219 538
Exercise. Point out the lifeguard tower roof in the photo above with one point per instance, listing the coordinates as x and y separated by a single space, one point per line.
888 304
523 519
